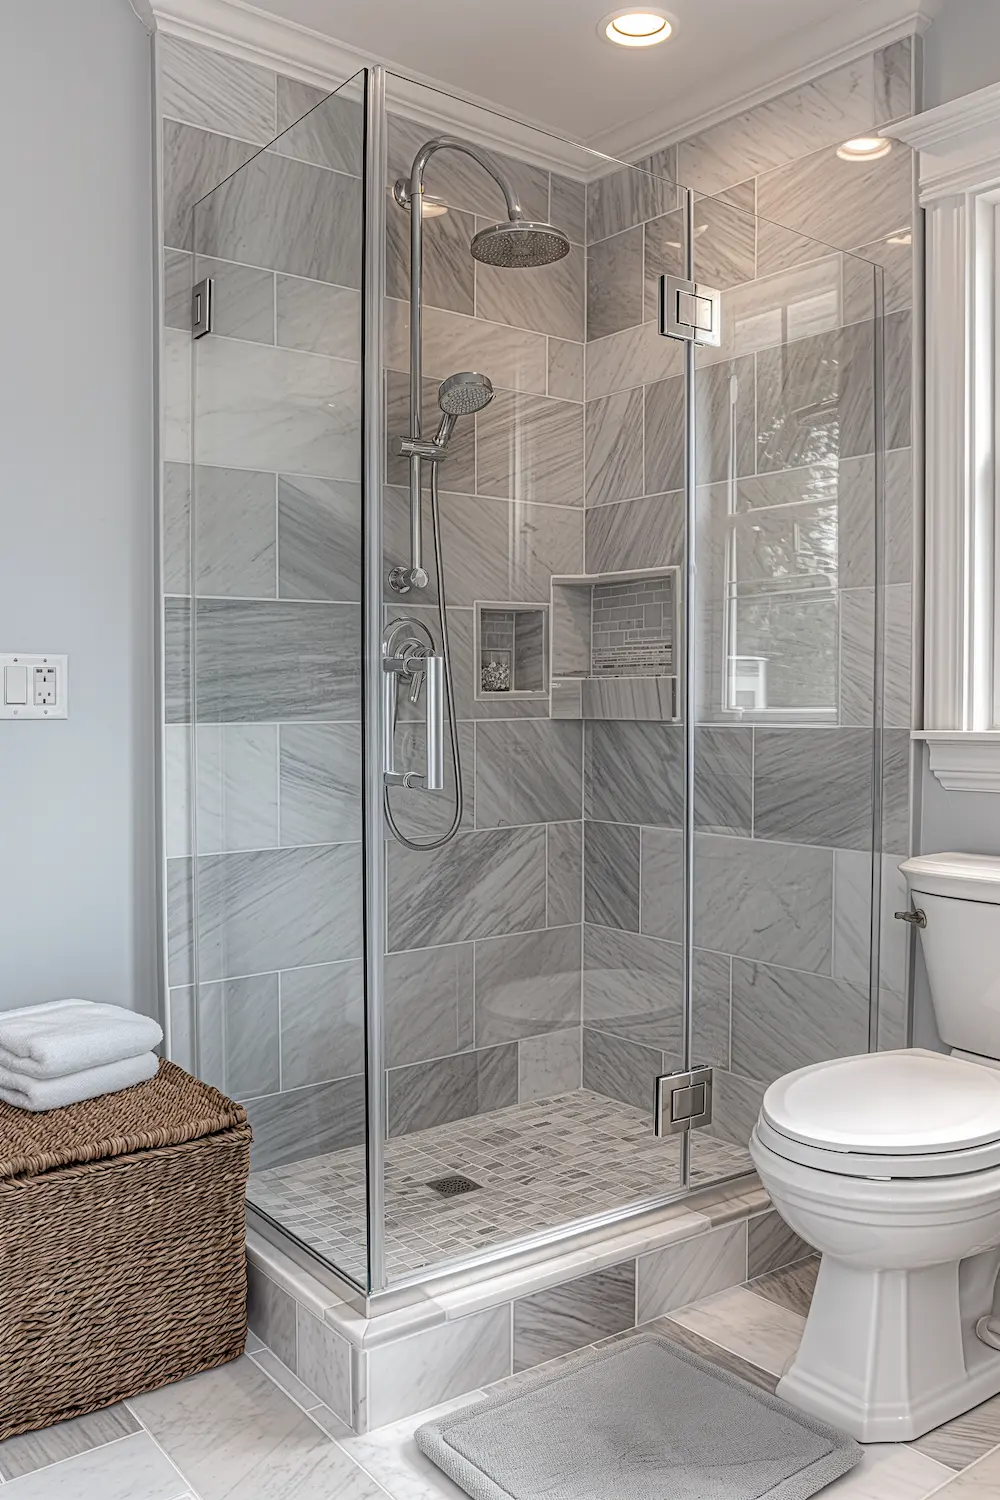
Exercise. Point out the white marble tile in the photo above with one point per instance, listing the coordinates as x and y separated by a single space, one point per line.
314 316
392 1458
323 1363
750 1326
514 359
235 533
284 1378
635 356
438 1364
206 88
548 1065
566 363
177 781
237 787
131 1469
852 906
892 1471
690 1271
176 375
50 1445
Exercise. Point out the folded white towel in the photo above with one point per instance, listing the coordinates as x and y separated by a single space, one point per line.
66 1036
54 1093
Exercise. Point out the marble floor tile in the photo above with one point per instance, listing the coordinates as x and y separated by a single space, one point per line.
759 1331
429 1006
890 1472
435 1365
285 1379
547 298
548 1065
133 1468
527 984
215 92
514 358
964 1439
696 1268
528 772
319 318
784 1019
790 1287
232 1431
320 127
35 1450
483 884
320 783
576 1313
322 1024
614 283
611 875
391 1456
530 448
713 1353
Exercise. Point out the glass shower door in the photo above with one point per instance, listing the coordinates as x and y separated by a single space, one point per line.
273 1003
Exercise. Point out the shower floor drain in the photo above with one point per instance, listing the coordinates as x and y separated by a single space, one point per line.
450 1187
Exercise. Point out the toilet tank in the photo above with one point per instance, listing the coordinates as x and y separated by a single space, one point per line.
960 896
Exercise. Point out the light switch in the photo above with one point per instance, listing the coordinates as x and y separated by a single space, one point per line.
15 685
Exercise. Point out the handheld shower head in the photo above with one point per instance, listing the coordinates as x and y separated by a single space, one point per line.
461 395
519 244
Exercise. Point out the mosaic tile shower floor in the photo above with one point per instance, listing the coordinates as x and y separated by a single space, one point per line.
538 1166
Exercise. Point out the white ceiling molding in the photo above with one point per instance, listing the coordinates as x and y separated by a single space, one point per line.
964 762
959 144
244 31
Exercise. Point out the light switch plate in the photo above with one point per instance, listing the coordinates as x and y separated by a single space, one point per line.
34 685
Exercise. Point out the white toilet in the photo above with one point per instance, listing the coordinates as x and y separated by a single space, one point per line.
889 1164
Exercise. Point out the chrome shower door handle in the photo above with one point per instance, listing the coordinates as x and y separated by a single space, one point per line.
431 669
434 708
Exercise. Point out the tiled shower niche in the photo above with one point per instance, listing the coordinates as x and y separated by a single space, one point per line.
615 645
511 650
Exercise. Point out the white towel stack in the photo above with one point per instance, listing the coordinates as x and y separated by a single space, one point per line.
57 1054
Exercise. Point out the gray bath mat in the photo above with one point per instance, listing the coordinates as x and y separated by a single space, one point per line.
641 1419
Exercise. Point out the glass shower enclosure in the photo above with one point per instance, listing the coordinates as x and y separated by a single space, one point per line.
657 560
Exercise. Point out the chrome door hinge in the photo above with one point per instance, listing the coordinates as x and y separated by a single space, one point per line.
683 1101
203 308
690 311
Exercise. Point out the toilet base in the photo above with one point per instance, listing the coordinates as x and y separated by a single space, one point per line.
888 1355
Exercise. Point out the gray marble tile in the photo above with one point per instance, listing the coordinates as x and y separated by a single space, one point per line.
206 88
176 389
429 1004
736 1104
133 1468
232 1430
319 318
715 1354
321 127
287 216
176 533
426 1094
527 984
274 909
644 533
460 182
629 698
323 1363
449 272
626 196
614 447
614 284
211 1064
549 1065
576 1313
271 1314
251 1030
893 87
815 400
50 1445
322 1025
695 1268
481 885
631 357
843 203
422 817
896 754
439 1363
632 988
237 767
894 253
528 772
177 281
305 1122
856 505
568 206
771 1245
549 299
622 1070
235 544
831 108
722 423
564 891
791 1287
784 1019
899 516
635 774
319 539
857 656
179 916
611 875
530 448
814 786
320 783
508 552
514 358
898 379
772 902
271 408
725 240
263 661
566 370
243 300
177 660
194 162
964 1440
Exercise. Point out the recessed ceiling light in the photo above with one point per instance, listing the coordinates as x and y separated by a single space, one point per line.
865 148
636 28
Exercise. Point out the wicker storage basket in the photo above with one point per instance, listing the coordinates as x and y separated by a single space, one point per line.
122 1246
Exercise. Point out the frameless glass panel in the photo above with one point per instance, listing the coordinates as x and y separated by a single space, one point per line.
527 1015
273 999
787 767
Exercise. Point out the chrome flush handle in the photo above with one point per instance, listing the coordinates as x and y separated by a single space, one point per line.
917 917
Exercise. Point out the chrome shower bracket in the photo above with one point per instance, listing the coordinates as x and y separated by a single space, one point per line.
408 656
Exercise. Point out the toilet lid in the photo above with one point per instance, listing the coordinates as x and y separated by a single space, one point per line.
907 1103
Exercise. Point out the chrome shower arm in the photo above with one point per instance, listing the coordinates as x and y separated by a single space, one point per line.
487 161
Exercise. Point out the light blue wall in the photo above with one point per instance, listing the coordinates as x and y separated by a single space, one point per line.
77 865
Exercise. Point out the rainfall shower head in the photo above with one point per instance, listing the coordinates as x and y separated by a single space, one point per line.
463 394
518 244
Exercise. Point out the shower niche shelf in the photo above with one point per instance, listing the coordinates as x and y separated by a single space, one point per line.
511 650
614 643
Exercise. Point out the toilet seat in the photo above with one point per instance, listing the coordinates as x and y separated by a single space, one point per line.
905 1114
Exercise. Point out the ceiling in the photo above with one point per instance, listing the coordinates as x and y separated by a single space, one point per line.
543 61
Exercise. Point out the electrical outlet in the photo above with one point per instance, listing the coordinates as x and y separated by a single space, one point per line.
34 686
45 687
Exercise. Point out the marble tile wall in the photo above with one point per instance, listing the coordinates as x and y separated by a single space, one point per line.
786 509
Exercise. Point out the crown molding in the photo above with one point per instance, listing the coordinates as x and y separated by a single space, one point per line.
959 144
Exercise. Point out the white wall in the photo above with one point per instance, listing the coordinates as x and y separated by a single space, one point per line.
77 864
961 50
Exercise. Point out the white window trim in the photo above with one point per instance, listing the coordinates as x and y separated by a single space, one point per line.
959 146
